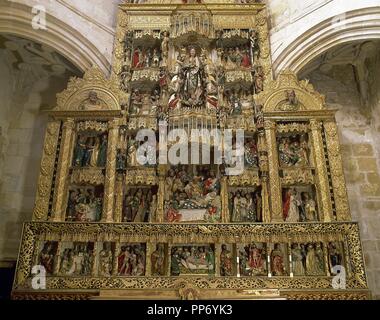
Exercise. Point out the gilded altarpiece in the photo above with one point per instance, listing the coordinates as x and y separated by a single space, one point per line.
108 225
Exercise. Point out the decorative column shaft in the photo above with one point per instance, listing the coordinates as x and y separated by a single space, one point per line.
264 169
337 173
118 212
64 163
95 262
115 259
109 187
321 171
160 200
169 255
150 248
57 260
224 193
326 256
218 251
265 209
45 179
274 179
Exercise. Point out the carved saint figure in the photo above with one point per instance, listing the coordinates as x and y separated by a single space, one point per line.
297 260
192 260
131 260
47 257
277 261
102 156
192 88
335 254
291 97
165 48
136 102
256 260
188 84
314 261
226 267
105 261
132 153
120 161
92 102
291 206
84 205
77 261
158 261
95 153
138 58
79 151
258 79
310 207
253 45
251 154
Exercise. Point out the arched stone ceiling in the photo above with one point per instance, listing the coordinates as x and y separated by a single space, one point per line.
36 61
83 31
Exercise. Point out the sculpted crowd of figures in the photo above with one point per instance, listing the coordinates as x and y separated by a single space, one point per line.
293 151
85 204
140 205
79 259
191 76
245 205
192 196
90 150
161 77
299 206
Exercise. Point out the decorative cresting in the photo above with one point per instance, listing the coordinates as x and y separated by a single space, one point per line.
303 95
93 95
200 23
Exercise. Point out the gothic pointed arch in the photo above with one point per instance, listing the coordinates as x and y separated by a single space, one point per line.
362 24
15 19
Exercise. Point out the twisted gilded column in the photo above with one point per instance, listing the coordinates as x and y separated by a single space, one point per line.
110 179
274 179
321 171
45 179
337 173
64 163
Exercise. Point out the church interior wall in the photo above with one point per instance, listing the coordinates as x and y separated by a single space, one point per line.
22 123
358 123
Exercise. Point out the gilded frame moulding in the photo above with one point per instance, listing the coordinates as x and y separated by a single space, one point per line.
190 233
45 180
76 101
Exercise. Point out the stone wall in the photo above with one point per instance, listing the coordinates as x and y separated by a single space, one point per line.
359 137
22 138
28 85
